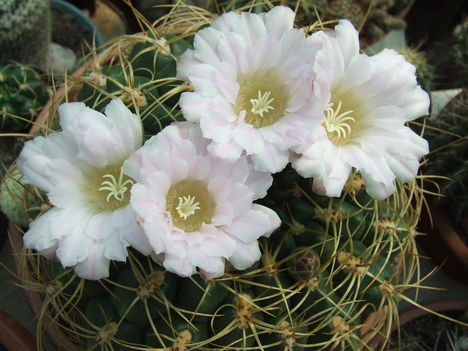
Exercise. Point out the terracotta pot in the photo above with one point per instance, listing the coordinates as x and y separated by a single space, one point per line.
443 244
14 336
413 312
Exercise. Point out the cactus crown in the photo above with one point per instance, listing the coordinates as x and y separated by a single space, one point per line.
22 96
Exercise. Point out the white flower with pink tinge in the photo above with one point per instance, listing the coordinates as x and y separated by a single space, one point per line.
364 119
253 77
196 209
80 169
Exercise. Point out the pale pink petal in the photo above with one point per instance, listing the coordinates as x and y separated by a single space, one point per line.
229 150
417 104
249 139
279 21
347 38
73 249
250 225
270 160
39 235
127 126
95 266
245 255
181 267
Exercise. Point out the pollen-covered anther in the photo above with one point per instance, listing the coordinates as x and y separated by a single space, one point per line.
262 104
338 124
352 263
187 206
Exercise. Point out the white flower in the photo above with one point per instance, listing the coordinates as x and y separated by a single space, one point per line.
252 76
363 126
80 169
197 209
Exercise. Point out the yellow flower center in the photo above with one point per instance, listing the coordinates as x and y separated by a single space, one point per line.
190 204
264 98
108 188
341 120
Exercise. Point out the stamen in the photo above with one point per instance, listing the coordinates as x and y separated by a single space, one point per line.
116 188
187 206
336 122
262 104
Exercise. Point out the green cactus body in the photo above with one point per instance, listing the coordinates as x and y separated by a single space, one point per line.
460 44
22 96
327 264
25 31
309 295
425 71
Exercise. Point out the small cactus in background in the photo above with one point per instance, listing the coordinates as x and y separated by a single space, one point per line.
376 17
425 71
22 96
348 9
460 45
18 201
25 31
448 137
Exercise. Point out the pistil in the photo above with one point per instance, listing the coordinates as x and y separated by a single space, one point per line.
187 206
338 124
116 188
262 104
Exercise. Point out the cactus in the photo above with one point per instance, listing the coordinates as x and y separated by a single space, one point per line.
17 201
22 96
425 71
447 136
460 45
25 31
375 17
332 260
